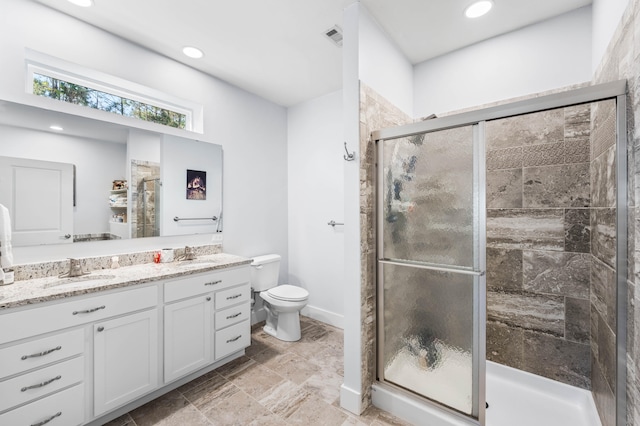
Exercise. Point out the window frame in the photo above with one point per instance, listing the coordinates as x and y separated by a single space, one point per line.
39 63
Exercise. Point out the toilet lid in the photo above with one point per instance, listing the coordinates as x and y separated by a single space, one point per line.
289 293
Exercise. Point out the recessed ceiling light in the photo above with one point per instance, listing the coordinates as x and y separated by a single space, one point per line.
56 128
478 9
83 3
192 52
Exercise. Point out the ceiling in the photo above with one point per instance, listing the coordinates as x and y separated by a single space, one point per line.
277 48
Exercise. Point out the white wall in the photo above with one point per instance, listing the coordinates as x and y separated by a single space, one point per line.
178 156
252 130
350 391
606 17
548 55
371 58
316 188
91 213
382 66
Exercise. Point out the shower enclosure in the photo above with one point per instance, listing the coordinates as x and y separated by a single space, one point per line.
150 207
488 224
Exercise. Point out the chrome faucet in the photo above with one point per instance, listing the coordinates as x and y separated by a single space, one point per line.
189 253
75 269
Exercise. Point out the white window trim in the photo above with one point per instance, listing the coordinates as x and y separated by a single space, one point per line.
40 63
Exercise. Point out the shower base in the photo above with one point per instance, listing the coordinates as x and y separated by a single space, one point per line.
515 397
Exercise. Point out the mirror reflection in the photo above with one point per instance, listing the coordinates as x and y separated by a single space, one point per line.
66 178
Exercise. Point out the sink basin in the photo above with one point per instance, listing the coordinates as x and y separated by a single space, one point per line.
81 279
195 264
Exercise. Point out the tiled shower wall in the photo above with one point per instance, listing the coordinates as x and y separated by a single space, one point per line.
141 170
538 243
375 113
621 61
603 259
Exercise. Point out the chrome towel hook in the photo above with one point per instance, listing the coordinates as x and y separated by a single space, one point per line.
350 155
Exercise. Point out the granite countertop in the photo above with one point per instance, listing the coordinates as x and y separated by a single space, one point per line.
40 290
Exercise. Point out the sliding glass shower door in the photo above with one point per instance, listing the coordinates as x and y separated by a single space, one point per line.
431 222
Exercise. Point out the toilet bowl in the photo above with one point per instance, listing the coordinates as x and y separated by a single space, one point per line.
281 302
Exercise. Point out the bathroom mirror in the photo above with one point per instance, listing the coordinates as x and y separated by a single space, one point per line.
126 182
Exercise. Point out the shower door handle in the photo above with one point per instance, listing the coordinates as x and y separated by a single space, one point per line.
433 268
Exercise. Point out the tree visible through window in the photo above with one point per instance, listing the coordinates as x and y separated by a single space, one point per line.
80 95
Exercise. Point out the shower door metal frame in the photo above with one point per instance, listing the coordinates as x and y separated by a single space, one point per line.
613 90
477 271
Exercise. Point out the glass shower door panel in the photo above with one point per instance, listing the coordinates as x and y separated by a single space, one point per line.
428 334
428 211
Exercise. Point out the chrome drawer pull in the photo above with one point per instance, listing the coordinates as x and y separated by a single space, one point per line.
234 315
235 296
234 339
39 385
88 311
213 282
47 352
44 422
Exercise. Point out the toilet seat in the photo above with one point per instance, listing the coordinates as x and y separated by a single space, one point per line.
288 293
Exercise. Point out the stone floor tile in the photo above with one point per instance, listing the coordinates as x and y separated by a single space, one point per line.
211 393
171 409
257 380
314 411
239 409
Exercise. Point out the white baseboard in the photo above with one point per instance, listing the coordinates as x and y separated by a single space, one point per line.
350 400
324 316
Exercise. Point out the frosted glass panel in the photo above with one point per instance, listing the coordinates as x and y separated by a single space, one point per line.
428 198
428 333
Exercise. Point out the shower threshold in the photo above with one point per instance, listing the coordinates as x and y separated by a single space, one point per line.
515 397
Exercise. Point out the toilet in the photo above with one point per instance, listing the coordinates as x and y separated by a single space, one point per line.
282 302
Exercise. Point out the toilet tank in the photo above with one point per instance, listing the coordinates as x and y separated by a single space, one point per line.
264 272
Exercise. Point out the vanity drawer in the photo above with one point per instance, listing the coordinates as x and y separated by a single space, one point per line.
232 339
232 296
43 319
36 353
194 285
64 408
33 385
232 315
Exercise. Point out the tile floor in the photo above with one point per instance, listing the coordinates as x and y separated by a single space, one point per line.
275 383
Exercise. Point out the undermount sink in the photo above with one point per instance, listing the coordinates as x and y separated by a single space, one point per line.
194 264
80 279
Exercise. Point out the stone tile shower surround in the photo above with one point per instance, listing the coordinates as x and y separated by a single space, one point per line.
538 243
621 61
375 113
143 221
551 269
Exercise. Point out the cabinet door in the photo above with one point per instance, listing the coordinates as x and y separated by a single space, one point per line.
125 359
188 332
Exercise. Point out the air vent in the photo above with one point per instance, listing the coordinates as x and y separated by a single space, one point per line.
335 35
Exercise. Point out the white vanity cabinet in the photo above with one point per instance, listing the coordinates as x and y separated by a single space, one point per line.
188 336
193 307
43 375
125 354
87 359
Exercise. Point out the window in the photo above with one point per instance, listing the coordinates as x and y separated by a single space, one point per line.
55 78
66 91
